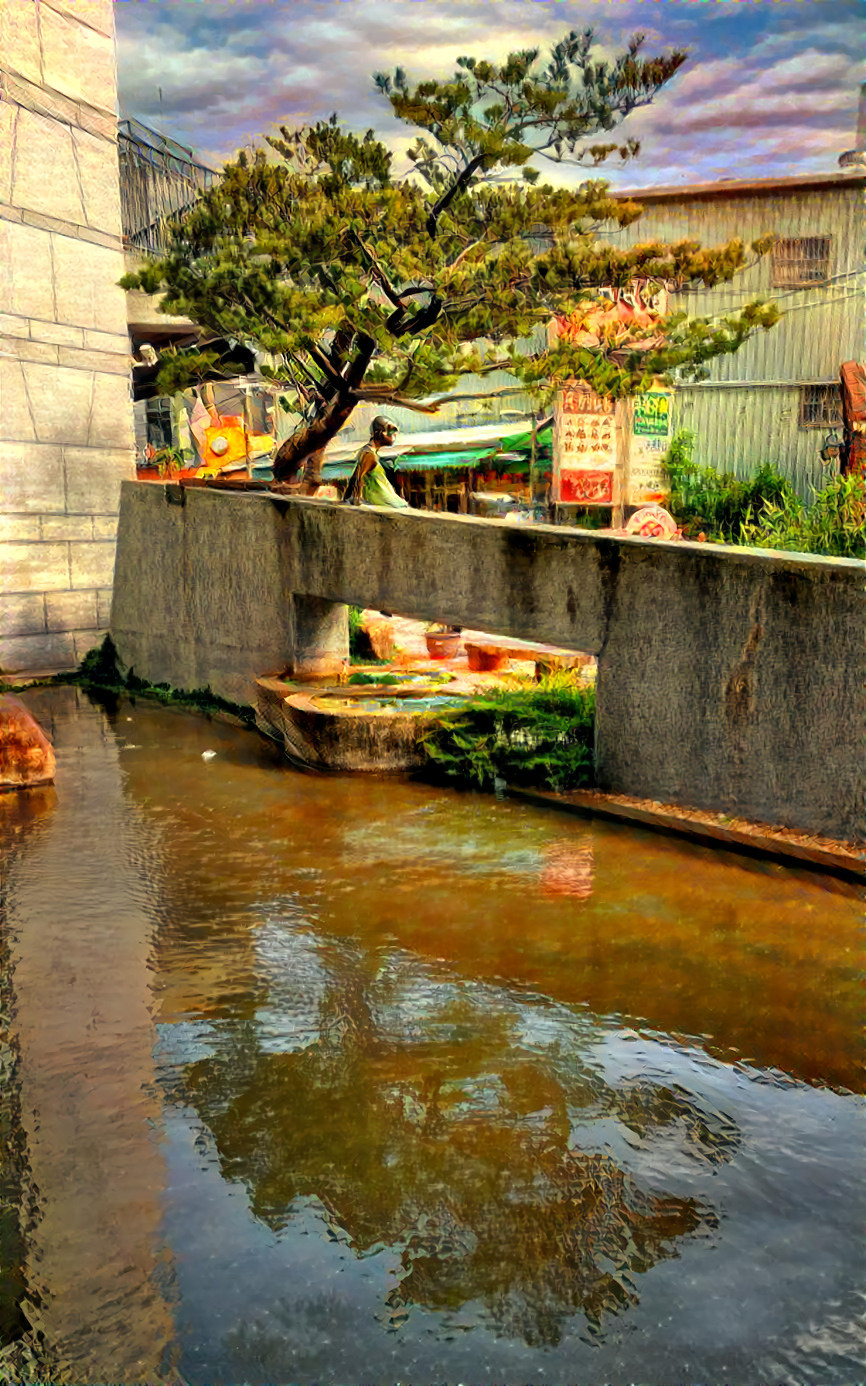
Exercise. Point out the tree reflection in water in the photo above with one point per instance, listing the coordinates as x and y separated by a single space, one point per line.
437 1118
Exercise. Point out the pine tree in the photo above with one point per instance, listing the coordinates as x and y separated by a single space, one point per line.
364 287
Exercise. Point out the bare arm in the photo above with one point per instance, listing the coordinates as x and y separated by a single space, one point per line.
365 464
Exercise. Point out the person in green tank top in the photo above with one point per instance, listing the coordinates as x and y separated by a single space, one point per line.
369 483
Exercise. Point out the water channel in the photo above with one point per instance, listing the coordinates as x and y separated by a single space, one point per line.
343 1079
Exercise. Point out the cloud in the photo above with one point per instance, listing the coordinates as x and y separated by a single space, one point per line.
229 72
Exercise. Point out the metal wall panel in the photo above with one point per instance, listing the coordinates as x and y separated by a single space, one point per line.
736 429
822 325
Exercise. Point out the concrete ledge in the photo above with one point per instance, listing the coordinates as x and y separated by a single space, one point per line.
728 679
761 841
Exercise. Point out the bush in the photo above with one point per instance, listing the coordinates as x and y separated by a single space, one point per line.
764 510
541 735
718 504
833 525
359 645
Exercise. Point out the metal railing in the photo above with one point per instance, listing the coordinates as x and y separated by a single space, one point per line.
159 180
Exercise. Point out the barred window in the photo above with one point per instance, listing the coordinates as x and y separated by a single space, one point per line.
820 406
157 413
800 261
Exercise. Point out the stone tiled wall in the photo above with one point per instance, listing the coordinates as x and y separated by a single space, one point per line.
66 433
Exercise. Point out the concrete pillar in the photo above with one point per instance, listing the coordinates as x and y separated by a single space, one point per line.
321 647
66 437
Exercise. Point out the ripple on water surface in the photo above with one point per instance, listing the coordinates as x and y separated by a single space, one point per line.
342 1078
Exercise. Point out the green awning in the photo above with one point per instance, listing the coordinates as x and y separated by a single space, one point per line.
522 442
433 461
416 462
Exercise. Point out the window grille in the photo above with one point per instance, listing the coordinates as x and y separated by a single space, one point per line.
820 406
801 261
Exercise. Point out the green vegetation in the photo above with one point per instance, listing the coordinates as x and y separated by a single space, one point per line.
360 650
764 510
365 286
834 524
540 735
99 670
714 503
377 680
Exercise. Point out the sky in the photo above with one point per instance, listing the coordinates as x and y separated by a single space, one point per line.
770 89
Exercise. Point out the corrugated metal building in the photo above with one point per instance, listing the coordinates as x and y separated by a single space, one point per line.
776 398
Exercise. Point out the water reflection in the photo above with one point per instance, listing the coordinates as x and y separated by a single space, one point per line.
90 1266
21 815
442 1088
436 1118
569 868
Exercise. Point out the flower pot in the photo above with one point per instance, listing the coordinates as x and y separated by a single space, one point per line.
445 645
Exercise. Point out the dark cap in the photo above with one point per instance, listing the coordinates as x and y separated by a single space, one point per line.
381 426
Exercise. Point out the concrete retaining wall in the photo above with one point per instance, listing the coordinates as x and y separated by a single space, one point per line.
729 679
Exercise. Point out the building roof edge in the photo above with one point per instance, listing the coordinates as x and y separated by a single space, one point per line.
728 186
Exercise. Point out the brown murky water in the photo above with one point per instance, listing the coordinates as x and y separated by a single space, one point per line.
344 1079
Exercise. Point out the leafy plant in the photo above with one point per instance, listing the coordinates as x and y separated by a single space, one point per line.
833 525
837 518
167 460
718 504
764 510
541 735
359 645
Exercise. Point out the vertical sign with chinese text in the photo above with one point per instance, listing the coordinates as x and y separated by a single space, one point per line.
646 479
584 448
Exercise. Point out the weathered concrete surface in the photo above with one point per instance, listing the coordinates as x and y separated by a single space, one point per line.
26 754
66 426
728 679
202 593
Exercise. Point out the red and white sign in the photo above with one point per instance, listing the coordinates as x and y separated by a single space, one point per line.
584 448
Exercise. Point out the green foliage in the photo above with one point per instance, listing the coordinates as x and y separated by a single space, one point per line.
763 510
542 735
717 504
180 368
359 644
497 117
361 287
834 524
99 670
99 666
377 680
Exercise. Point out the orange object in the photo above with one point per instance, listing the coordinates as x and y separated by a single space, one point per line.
226 442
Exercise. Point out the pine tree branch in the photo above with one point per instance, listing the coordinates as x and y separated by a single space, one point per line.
443 202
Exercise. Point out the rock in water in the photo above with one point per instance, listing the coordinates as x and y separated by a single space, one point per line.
26 754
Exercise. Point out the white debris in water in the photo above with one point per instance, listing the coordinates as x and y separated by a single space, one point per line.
208 755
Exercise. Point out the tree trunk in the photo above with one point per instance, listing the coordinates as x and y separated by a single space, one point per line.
313 472
332 414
